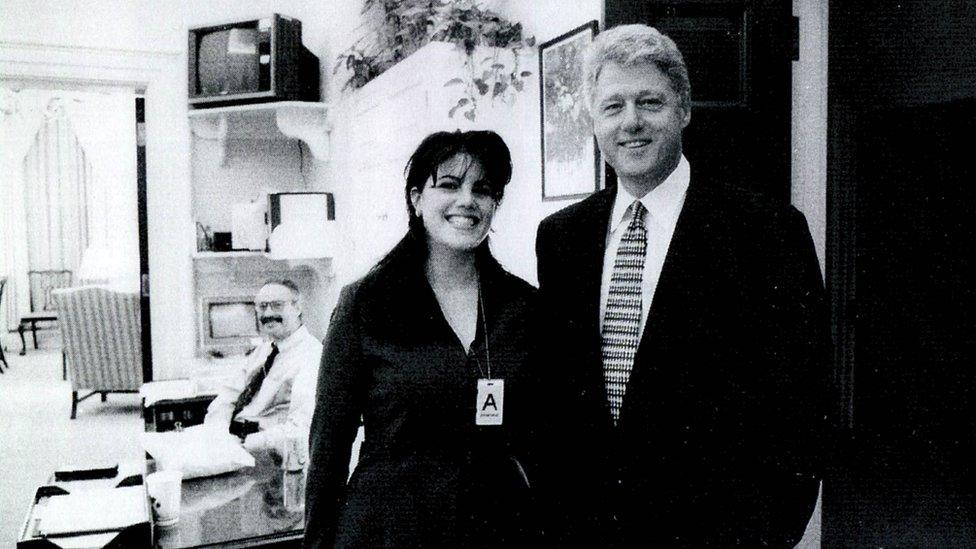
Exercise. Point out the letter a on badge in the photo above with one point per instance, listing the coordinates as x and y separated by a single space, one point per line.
491 402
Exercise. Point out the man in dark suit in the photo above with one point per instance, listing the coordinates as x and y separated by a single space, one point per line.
688 328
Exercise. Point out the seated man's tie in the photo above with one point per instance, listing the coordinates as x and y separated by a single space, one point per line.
254 384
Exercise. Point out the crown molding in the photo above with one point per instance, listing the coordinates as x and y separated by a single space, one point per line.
8 47
35 62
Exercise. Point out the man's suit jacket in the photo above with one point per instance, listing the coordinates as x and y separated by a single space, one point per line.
724 411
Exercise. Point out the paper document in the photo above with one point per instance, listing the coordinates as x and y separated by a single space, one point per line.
94 510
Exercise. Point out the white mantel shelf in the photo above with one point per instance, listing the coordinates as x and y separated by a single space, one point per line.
303 120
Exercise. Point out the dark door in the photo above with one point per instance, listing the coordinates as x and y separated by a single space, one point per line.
739 56
147 374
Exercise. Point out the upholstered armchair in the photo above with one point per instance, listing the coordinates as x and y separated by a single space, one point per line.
102 341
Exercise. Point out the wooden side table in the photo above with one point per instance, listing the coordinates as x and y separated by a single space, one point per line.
32 319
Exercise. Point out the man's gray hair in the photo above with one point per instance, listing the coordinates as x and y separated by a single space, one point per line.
630 45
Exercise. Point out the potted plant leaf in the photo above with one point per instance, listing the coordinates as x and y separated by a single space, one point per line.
401 27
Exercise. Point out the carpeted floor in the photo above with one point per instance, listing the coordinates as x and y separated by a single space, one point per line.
37 436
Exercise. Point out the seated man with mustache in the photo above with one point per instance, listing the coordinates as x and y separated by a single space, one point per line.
275 394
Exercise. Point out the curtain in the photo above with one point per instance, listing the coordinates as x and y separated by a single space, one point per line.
18 124
67 183
57 175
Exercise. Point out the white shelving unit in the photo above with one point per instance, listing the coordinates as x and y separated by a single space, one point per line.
223 174
306 121
226 255
253 260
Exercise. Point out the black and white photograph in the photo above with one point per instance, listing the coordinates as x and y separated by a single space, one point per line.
487 273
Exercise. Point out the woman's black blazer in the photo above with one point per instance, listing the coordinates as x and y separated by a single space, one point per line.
427 475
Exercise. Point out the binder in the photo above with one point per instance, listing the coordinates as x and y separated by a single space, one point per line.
177 413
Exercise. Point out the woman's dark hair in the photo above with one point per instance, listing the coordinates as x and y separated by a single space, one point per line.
484 146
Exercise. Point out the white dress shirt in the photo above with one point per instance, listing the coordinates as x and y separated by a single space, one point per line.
663 207
286 400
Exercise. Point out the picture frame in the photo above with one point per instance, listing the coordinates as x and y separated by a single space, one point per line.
569 149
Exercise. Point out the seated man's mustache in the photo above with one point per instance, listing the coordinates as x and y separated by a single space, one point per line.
267 319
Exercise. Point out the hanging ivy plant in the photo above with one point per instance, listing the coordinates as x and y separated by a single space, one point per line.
407 25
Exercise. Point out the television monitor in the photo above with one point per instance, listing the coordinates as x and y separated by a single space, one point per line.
250 61
227 325
300 208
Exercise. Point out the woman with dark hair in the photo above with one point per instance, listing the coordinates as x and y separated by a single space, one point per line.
431 350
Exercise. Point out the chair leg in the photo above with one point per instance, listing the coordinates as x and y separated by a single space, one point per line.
64 366
104 395
74 403
23 344
34 333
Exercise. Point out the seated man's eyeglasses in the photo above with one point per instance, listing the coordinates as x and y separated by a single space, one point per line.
272 305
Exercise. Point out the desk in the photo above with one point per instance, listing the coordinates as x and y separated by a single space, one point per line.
242 509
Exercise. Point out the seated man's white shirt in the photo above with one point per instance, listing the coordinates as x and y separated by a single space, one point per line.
286 399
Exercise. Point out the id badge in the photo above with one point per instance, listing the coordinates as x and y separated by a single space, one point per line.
490 403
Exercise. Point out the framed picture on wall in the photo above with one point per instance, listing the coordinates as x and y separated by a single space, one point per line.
570 158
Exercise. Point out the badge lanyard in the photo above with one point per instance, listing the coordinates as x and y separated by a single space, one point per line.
491 392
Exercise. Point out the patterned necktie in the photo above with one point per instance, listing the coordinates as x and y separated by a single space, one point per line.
254 384
621 321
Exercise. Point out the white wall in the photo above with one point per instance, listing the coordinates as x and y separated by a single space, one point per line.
547 19
139 25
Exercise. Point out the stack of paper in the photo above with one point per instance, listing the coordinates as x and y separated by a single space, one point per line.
94 510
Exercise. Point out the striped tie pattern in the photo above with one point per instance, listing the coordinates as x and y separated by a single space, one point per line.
254 384
621 321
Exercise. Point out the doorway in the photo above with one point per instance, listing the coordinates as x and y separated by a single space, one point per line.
72 190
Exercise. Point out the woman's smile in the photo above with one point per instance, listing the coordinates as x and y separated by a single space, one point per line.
463 221
456 205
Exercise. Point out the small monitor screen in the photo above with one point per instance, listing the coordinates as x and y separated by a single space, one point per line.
228 61
232 320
